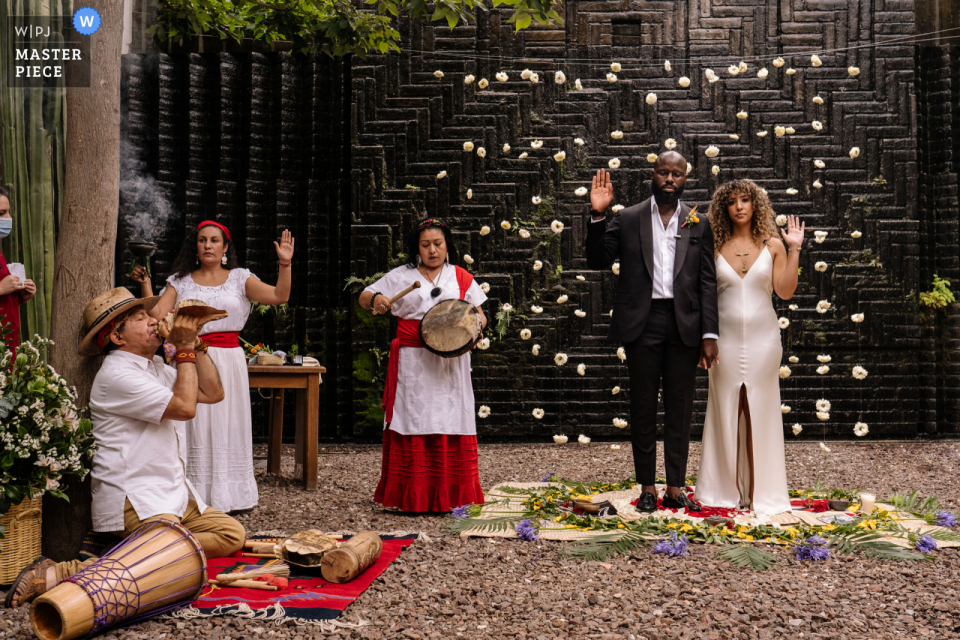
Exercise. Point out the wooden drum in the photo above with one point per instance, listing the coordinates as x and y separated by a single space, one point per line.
158 568
450 328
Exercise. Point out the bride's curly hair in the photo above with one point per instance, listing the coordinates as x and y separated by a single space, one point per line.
762 225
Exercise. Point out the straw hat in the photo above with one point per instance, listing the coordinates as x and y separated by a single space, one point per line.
104 308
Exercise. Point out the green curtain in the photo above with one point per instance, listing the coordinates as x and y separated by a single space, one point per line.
32 133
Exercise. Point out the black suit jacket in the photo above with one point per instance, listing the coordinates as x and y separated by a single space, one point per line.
629 237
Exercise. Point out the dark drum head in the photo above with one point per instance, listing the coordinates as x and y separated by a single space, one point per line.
450 328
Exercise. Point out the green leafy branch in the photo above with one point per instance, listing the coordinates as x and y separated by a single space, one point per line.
747 555
355 284
263 309
503 317
614 544
939 297
457 526
869 543
911 503
334 27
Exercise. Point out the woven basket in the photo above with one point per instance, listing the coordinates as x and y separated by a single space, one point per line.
21 543
269 358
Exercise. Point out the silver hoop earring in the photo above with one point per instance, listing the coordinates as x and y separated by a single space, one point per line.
223 259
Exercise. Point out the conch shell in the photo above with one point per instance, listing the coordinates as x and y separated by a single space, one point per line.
189 307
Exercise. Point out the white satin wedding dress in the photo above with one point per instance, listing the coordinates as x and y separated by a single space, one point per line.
750 354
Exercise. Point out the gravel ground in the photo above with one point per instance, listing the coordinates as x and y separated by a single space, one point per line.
494 588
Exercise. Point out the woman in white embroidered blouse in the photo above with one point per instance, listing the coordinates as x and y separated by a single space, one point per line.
430 458
220 437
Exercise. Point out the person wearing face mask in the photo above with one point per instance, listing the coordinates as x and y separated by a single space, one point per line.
430 457
13 291
220 437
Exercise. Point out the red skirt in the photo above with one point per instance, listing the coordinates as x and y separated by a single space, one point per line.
429 473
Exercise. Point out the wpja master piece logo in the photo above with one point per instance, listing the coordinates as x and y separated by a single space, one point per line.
50 51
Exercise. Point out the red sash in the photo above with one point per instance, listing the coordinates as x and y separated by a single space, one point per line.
223 339
408 335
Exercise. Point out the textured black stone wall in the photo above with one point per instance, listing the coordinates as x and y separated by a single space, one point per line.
245 136
255 141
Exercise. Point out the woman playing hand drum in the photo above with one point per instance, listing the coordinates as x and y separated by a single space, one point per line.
220 437
430 433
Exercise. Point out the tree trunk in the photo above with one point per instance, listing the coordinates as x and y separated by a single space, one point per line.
355 556
85 248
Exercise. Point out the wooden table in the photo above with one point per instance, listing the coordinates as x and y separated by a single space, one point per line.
306 380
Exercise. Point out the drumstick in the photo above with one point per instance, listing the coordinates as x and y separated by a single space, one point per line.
415 285
252 543
245 584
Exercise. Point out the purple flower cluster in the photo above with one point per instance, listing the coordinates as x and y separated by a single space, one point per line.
548 476
926 544
672 546
463 511
527 531
945 519
812 548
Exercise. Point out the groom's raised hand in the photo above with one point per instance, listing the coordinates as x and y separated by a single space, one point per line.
601 195
709 353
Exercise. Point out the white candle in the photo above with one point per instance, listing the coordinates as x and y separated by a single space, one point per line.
867 502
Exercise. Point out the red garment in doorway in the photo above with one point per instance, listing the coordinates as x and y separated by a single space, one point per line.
9 310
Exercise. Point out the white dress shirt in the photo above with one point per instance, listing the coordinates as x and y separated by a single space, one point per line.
664 253
139 455
664 250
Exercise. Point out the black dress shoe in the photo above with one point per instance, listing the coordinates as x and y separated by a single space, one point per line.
680 502
647 502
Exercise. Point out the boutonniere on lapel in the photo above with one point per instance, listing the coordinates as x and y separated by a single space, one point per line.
692 218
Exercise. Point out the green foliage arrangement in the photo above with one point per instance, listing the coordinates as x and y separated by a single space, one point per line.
868 535
43 439
334 27
355 284
940 297
745 555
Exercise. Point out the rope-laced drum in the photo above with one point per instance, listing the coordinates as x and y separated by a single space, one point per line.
159 567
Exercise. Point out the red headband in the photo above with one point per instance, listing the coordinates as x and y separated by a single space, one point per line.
211 223
103 336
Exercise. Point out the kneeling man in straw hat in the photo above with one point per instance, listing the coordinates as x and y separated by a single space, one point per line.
138 405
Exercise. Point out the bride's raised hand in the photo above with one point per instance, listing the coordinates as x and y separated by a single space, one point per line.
285 246
793 234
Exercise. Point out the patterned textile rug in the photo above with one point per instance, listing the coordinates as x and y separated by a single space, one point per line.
307 600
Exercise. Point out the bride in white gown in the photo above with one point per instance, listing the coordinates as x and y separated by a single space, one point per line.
742 465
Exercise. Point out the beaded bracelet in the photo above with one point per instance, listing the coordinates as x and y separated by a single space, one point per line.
202 347
185 355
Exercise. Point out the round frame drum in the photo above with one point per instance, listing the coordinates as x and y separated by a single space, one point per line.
450 328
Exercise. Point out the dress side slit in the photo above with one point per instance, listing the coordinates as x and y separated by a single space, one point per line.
745 474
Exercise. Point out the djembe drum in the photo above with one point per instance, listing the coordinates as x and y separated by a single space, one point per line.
450 328
159 567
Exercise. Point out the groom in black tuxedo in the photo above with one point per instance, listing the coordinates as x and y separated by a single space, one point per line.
664 313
